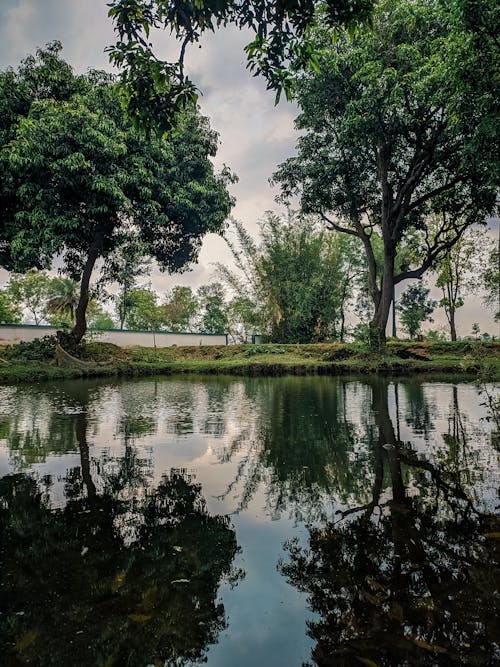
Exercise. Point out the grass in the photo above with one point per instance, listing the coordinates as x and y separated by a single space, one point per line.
400 358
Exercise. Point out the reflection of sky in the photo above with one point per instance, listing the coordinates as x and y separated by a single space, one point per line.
212 429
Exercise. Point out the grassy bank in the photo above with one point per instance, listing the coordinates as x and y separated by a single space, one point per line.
30 364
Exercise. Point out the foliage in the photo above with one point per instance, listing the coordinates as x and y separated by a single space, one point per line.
79 176
180 309
10 312
415 308
123 266
40 349
394 132
99 317
144 312
32 291
243 318
213 309
157 90
491 278
63 298
296 284
458 272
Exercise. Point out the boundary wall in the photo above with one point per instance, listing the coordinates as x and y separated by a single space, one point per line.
16 333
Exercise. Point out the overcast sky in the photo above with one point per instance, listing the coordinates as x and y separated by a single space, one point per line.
255 136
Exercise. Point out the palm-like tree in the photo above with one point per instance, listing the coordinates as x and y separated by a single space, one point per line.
63 299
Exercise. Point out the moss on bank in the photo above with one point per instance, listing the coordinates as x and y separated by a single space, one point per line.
402 358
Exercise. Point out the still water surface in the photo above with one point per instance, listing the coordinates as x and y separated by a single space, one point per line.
267 522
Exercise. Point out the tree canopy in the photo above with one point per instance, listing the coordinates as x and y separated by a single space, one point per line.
395 130
157 89
81 181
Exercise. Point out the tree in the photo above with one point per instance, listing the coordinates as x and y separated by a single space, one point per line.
415 308
83 175
98 317
491 281
458 272
144 312
180 308
10 313
63 298
127 263
301 278
31 291
243 318
213 309
396 131
156 89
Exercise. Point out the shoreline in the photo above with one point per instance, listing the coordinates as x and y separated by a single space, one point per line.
464 358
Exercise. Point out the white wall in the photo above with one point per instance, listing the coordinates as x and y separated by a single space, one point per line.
10 333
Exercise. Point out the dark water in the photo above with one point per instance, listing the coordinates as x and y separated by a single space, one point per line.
257 522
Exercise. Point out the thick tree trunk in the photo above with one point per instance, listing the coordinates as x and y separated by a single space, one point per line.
80 327
382 308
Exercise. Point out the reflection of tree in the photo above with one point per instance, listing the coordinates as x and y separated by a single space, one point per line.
418 411
413 583
300 447
108 581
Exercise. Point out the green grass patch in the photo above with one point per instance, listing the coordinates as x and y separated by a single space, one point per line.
28 363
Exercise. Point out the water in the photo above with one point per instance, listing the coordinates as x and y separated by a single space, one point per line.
270 521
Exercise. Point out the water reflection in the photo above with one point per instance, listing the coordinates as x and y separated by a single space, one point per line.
123 573
106 555
411 577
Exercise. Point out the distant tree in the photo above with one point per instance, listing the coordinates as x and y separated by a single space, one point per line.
476 330
63 298
213 308
415 308
80 175
10 313
99 317
395 130
124 266
144 312
31 291
459 272
180 309
243 318
491 282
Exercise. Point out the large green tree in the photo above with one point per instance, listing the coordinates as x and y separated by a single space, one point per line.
159 89
299 279
81 180
396 130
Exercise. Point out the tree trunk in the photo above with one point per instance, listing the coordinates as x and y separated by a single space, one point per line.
394 331
80 327
382 308
451 318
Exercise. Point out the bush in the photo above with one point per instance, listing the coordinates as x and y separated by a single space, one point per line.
41 349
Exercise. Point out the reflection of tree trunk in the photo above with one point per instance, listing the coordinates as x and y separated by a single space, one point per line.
81 437
407 541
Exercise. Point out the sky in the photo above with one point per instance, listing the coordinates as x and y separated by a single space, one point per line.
255 135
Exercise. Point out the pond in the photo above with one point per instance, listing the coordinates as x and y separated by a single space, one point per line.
275 522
